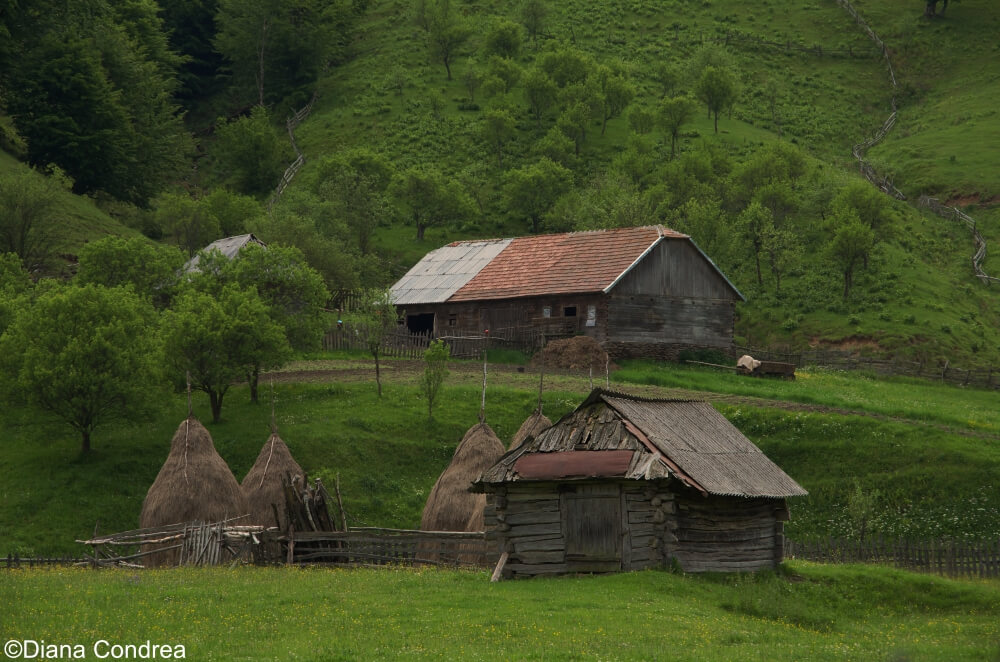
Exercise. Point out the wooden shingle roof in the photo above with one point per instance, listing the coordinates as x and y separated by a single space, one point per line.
688 440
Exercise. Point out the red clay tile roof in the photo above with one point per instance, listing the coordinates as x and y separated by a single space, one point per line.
576 262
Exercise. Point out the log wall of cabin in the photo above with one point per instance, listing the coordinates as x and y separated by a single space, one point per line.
728 534
531 523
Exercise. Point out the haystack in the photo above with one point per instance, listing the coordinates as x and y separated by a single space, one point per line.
450 506
579 353
195 483
262 486
532 427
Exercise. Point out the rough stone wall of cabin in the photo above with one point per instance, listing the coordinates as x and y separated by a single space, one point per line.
727 534
650 539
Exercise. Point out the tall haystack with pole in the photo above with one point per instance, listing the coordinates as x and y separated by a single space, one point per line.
450 506
194 483
263 488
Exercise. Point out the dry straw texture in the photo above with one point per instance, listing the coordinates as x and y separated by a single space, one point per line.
532 427
450 504
195 483
262 486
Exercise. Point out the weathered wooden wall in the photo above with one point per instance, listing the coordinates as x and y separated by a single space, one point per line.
676 268
601 526
728 534
646 319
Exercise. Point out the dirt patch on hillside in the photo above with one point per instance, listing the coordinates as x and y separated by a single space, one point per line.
849 344
578 353
972 199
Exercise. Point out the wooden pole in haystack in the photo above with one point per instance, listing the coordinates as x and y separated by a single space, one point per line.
486 350
541 374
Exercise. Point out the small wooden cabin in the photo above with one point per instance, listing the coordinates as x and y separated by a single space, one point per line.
625 483
640 292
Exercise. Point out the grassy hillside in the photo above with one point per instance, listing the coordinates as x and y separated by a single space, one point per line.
807 612
80 219
919 299
930 468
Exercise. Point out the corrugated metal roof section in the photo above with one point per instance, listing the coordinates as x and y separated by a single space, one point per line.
574 464
574 262
706 446
445 270
228 246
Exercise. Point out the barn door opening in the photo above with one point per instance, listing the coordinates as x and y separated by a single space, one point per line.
592 527
420 323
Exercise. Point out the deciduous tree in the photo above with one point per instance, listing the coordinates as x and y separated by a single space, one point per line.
428 200
852 240
674 113
150 269
435 372
376 318
717 88
86 355
529 192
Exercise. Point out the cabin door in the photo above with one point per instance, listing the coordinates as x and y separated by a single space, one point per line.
592 527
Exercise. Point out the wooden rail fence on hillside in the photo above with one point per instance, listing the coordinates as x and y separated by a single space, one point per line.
363 546
884 183
291 124
981 377
952 559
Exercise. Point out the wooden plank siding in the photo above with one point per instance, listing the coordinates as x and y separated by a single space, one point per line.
728 534
676 268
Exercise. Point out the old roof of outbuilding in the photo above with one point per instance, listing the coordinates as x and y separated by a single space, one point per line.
685 439
568 263
228 246
443 271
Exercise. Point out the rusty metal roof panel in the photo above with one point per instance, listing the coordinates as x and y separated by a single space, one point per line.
228 246
445 270
573 464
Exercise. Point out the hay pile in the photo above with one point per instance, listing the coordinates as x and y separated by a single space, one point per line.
532 426
262 486
450 505
194 483
577 353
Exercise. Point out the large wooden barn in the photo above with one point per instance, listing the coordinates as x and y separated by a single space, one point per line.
625 483
641 292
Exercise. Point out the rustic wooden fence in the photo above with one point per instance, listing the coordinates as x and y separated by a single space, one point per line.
953 559
291 124
982 377
737 38
405 344
364 546
14 561
884 183
956 214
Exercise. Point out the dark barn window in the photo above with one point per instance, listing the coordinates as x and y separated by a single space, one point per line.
569 311
420 323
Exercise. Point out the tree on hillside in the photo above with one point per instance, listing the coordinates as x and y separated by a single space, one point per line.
276 49
717 88
446 33
930 8
641 119
376 318
231 210
530 191
534 15
293 292
502 75
566 65
151 269
673 115
356 182
250 152
435 372
15 284
30 213
504 39
85 355
218 340
783 249
557 147
188 222
852 240
755 222
540 92
666 77
90 88
872 208
616 93
498 129
428 200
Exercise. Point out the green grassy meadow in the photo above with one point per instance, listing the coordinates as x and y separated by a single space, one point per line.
802 612
933 471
